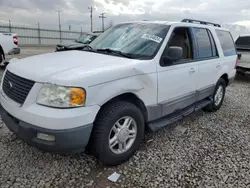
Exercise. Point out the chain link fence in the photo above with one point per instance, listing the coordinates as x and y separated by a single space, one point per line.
38 36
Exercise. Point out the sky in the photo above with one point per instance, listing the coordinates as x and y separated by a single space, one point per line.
76 12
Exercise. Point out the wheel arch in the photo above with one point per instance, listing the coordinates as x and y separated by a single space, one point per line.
225 77
128 97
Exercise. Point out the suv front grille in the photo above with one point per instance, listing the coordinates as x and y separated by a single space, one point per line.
16 87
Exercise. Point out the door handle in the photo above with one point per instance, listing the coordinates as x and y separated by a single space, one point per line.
191 71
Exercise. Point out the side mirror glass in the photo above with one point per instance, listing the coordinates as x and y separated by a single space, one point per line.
174 53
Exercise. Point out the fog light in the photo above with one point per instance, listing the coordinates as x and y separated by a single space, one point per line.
46 137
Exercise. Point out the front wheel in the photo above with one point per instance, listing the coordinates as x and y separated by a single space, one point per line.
218 96
118 132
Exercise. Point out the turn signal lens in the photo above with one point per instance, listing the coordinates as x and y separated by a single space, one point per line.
77 96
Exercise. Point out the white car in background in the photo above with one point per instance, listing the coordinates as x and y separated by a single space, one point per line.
243 51
8 45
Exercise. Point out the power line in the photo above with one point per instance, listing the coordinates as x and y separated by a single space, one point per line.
85 21
102 17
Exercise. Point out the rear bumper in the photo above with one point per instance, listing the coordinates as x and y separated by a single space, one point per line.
242 70
14 51
66 141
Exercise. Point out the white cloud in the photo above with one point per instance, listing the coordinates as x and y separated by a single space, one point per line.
76 13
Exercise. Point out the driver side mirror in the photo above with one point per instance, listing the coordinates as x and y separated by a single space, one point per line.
174 53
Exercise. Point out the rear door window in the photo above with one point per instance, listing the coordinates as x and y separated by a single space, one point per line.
205 48
227 43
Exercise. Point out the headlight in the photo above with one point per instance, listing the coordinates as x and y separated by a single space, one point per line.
61 97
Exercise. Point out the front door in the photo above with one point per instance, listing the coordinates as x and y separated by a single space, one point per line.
177 82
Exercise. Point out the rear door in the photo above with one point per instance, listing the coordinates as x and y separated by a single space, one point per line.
208 61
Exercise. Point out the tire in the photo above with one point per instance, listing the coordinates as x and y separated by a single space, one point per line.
2 56
103 127
215 105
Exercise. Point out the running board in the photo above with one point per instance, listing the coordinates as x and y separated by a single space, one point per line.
202 104
178 115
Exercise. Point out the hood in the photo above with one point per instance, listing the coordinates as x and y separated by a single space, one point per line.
66 66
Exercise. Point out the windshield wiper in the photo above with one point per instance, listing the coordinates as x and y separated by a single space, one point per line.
108 50
87 46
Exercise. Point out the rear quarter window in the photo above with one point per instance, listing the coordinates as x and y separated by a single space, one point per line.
227 43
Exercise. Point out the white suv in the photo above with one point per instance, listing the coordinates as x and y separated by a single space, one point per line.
133 77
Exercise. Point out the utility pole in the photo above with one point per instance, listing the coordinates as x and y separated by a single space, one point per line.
91 18
59 19
102 17
60 27
39 32
10 26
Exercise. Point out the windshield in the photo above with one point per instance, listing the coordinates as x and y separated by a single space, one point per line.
139 39
85 38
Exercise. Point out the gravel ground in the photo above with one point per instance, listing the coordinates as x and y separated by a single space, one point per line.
30 51
203 150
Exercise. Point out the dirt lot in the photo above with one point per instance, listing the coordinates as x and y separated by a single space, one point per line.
203 150
30 51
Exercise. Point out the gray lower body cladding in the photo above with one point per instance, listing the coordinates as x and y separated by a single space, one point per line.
168 107
178 115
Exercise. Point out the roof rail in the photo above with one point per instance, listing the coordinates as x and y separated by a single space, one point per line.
201 22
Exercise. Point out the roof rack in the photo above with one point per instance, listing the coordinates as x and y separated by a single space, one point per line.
201 22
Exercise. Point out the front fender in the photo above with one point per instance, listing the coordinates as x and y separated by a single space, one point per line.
143 86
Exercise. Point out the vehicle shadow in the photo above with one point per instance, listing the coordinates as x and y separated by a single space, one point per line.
243 78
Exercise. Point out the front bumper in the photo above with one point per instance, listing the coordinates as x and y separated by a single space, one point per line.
66 141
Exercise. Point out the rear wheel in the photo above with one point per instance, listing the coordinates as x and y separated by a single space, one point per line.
218 96
117 133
